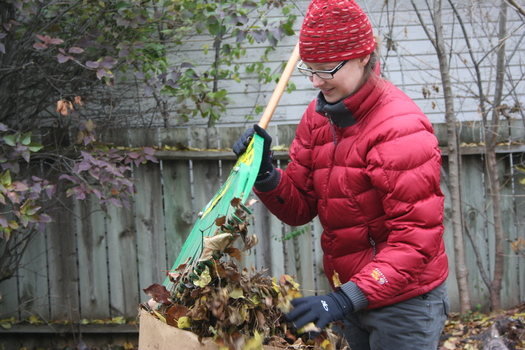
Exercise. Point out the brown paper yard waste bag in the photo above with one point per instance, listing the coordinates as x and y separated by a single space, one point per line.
155 334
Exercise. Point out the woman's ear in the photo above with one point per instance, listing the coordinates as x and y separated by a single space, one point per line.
364 60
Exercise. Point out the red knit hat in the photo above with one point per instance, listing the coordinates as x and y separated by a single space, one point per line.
335 30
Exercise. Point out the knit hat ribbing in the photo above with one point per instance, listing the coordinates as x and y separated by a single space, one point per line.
335 30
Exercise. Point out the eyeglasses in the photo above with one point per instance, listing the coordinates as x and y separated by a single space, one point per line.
323 74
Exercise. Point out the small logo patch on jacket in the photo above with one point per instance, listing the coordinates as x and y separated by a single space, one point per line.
378 276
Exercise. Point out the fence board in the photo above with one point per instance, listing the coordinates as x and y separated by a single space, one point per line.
302 260
509 297
122 245
10 305
286 134
228 136
32 281
274 234
519 207
475 215
63 276
206 180
322 284
261 221
122 262
151 244
92 260
34 295
141 137
179 215
177 195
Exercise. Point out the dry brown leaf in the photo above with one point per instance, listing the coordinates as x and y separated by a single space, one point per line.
159 293
336 280
78 100
215 243
518 245
234 253
250 242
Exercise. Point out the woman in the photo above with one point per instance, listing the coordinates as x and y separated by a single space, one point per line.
366 161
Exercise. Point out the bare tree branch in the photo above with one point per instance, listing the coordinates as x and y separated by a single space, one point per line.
517 7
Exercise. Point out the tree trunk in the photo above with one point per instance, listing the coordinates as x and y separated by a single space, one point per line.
454 160
492 166
492 172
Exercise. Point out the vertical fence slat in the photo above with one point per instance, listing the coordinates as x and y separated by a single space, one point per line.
178 207
261 219
228 136
302 259
149 216
519 207
32 276
121 236
34 295
275 234
509 297
92 260
322 284
179 214
286 134
517 133
62 260
10 305
151 245
475 215
122 262
206 179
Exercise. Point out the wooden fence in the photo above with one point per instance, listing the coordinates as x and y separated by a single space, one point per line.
89 265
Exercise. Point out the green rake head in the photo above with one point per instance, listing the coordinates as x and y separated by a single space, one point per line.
238 185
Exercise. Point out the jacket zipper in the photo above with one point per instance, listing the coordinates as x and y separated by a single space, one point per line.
334 135
373 243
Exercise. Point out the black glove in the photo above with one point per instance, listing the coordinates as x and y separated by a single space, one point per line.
239 147
321 310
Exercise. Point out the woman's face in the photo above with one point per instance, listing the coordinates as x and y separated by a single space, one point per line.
346 81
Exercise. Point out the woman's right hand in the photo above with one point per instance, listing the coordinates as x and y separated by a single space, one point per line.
239 147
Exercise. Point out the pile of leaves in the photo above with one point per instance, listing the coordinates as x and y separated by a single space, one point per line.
238 308
503 330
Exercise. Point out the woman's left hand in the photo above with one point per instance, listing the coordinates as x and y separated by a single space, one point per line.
320 309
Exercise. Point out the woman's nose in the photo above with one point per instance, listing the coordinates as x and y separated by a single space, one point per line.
316 81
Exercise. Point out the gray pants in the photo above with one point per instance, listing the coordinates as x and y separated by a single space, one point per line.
415 324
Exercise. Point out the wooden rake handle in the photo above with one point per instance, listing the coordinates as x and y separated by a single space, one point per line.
279 89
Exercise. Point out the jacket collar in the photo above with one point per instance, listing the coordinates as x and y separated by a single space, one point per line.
350 110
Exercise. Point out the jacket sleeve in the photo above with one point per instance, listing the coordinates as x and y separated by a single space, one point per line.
404 165
293 201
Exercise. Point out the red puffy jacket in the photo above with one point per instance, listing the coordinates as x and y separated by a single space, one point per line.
375 186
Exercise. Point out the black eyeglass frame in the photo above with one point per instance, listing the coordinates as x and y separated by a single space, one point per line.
310 73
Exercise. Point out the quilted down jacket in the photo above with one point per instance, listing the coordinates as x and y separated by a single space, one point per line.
369 167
